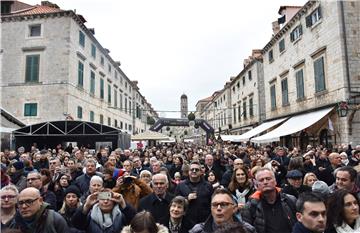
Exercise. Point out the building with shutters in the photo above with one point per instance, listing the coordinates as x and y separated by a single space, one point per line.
54 68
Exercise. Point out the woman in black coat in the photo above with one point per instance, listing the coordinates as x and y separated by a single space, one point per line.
178 221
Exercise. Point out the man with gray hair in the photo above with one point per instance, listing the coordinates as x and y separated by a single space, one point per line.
34 180
83 181
157 203
268 205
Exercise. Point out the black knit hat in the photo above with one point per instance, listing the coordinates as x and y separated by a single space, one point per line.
73 189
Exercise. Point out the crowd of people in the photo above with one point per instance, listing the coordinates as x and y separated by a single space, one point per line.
180 188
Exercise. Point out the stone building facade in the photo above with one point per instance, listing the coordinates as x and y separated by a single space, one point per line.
312 64
53 68
247 92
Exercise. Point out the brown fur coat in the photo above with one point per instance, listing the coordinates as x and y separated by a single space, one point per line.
133 192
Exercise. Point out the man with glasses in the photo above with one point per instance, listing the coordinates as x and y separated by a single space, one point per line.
268 205
226 178
138 168
198 192
223 208
157 203
34 216
34 180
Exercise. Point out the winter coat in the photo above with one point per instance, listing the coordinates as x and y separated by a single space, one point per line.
253 212
300 228
162 229
158 208
134 191
208 226
83 182
91 222
46 221
199 208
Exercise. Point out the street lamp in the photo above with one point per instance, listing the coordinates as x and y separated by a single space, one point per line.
342 109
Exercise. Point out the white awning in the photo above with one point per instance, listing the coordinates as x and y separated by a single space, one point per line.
258 129
227 138
293 125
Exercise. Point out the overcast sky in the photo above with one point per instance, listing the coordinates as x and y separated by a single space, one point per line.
175 47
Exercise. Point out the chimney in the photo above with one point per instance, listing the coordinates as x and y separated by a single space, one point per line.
92 30
117 63
49 4
287 12
275 27
256 53
246 62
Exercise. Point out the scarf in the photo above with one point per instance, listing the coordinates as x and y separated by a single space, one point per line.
174 228
240 196
105 220
345 228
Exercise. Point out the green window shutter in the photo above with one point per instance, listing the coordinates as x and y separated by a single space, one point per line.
273 96
234 115
244 109
80 74
251 108
30 109
109 94
79 112
308 21
92 82
284 90
32 68
101 88
319 74
300 84
239 113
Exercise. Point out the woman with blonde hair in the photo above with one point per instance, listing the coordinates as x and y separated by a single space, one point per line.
309 179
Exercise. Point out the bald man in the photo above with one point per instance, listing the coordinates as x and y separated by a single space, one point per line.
326 174
34 216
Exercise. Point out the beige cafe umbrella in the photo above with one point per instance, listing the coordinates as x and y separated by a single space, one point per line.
149 135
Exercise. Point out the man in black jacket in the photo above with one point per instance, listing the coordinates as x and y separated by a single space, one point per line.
311 214
158 202
198 192
34 216
268 205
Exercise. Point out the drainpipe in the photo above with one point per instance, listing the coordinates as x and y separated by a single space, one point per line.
345 46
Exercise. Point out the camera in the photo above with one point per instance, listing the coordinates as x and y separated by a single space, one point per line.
127 180
104 196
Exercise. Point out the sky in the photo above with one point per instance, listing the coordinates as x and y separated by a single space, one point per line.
175 47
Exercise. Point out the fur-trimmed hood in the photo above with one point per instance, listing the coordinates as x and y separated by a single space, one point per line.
162 229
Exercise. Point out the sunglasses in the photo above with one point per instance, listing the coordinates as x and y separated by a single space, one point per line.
195 169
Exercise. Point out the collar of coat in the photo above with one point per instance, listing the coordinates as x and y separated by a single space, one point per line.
258 194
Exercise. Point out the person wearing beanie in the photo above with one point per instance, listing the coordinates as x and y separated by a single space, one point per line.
321 187
17 175
70 204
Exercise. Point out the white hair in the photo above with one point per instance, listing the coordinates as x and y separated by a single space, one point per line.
97 179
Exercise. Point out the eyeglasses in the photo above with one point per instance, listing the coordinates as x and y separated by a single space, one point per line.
4 197
223 205
195 169
32 179
27 202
